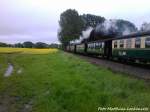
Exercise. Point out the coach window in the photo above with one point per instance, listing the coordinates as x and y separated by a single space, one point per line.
100 45
103 44
121 43
92 45
89 46
137 42
147 42
129 43
96 45
115 44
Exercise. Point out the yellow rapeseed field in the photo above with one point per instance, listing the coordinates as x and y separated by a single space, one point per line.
4 50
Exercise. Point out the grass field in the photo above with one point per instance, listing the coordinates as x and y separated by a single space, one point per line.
55 81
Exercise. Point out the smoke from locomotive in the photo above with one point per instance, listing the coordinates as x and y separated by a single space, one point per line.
108 29
86 33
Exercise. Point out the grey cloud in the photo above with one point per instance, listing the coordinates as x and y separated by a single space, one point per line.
37 20
48 37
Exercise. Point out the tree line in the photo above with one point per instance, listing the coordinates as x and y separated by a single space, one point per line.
29 44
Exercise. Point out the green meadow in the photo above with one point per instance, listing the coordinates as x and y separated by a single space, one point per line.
61 82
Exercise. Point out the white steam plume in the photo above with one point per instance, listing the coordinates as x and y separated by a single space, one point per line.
111 26
86 33
145 27
107 26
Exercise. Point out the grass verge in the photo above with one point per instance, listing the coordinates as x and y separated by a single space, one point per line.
61 82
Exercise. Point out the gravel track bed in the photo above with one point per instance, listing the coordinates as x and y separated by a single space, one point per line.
119 67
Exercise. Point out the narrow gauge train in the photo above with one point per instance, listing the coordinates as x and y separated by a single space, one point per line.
133 47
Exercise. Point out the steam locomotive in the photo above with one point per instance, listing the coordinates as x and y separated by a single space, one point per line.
133 47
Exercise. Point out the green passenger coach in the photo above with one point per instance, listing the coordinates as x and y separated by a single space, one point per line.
133 48
80 48
95 48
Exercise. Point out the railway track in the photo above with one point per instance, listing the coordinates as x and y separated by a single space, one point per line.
139 71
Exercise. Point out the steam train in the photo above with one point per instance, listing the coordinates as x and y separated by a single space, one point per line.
134 47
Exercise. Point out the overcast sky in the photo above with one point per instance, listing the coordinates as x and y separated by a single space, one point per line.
37 20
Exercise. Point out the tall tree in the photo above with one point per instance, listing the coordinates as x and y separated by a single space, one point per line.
41 45
28 44
19 45
3 44
71 25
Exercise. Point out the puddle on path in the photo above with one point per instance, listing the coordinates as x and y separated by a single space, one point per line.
9 70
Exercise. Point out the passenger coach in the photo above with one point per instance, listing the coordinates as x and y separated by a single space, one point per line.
134 47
